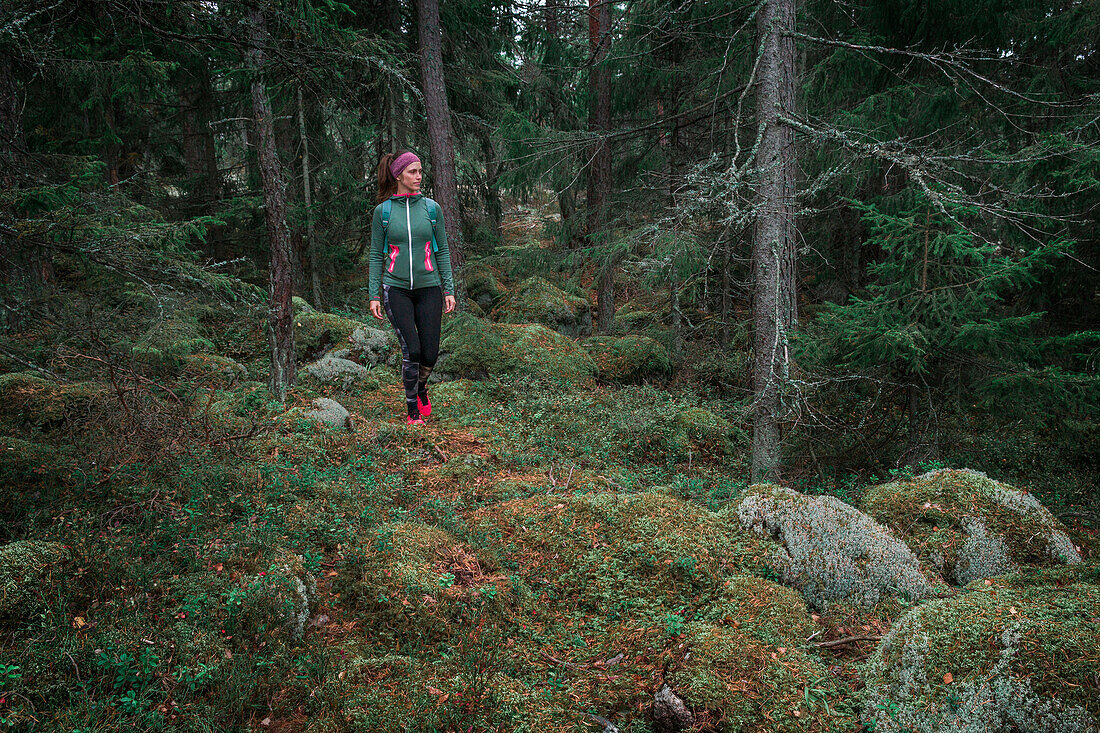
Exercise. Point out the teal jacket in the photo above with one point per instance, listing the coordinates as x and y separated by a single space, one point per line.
402 255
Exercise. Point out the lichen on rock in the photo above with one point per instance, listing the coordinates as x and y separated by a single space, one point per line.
968 526
828 550
1010 656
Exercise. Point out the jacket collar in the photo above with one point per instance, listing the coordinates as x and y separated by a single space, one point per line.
411 198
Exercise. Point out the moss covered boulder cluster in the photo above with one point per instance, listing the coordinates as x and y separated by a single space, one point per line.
967 526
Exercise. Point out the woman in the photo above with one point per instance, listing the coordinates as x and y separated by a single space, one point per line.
409 259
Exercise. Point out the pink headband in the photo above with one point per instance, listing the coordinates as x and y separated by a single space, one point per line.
402 162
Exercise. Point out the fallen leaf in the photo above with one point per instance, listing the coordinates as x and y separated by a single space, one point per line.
947 678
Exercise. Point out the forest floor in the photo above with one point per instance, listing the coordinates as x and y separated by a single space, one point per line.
546 554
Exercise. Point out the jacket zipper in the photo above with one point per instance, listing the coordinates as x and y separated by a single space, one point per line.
408 226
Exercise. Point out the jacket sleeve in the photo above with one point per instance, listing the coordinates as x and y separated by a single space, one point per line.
443 256
377 255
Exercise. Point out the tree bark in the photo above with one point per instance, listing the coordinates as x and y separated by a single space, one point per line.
774 253
440 133
281 278
599 169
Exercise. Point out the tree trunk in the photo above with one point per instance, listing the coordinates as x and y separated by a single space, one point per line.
493 208
599 169
281 283
307 197
440 134
12 145
200 156
774 253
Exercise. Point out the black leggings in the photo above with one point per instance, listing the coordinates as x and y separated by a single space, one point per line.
416 315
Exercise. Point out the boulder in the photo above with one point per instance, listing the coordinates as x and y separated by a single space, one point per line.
829 550
482 285
331 368
536 300
476 348
1008 656
627 359
968 526
214 369
330 412
28 570
374 346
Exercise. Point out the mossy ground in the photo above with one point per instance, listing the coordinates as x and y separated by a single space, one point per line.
547 549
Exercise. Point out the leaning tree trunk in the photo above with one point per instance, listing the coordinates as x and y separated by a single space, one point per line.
599 170
440 134
773 254
280 318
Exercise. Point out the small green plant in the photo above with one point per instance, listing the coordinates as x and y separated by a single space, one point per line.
10 672
446 580
674 623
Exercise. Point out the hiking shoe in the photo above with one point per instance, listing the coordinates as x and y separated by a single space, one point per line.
424 404
410 420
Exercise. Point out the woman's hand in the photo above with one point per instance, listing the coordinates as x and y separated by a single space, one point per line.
376 309
448 303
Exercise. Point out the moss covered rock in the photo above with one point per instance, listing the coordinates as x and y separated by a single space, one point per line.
29 570
26 398
213 369
968 526
536 300
476 348
1010 656
315 333
419 574
482 285
276 600
621 554
629 358
829 550
331 369
373 346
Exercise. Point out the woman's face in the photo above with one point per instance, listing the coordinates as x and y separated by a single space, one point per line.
409 180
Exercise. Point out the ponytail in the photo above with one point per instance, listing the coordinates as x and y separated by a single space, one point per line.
387 184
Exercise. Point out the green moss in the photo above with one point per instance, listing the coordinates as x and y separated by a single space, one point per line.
29 572
419 576
475 348
629 358
739 682
967 526
622 555
536 300
1002 656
